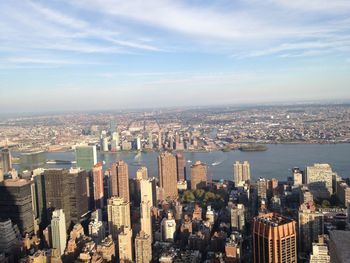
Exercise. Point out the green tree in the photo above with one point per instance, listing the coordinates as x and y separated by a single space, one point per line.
325 204
189 196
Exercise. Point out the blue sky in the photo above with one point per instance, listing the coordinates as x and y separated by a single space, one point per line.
112 54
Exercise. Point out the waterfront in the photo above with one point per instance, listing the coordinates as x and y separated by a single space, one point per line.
276 162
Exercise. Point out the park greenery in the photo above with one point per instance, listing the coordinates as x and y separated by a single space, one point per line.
204 198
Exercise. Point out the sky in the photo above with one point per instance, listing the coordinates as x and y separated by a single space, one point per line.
115 54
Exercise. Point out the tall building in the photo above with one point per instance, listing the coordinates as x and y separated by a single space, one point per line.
310 226
146 218
58 192
149 191
238 217
125 245
181 167
6 160
16 204
274 239
97 174
79 201
118 215
297 176
343 192
262 188
320 252
96 230
339 243
142 173
58 231
199 176
86 156
143 248
10 238
120 180
167 174
241 172
319 178
168 228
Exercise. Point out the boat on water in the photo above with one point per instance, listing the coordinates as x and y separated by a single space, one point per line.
216 163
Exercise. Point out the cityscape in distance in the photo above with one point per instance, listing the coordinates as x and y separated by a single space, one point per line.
174 131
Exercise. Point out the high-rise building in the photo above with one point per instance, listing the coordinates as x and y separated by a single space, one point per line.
262 188
118 215
199 176
233 247
339 243
10 238
142 173
33 160
274 239
319 178
96 229
120 180
297 176
320 252
343 192
79 201
168 228
310 225
143 248
146 218
241 172
238 217
167 174
125 245
6 160
16 204
86 156
149 191
58 231
181 167
58 192
97 174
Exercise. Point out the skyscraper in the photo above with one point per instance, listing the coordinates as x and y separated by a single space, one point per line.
97 174
168 228
142 173
6 160
16 204
167 174
79 201
319 178
320 252
146 218
120 180
274 239
118 215
238 217
180 167
262 188
58 192
149 191
143 248
241 172
58 231
125 245
86 156
339 243
198 175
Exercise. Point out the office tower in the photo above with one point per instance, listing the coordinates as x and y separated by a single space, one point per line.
97 174
319 178
118 215
6 160
40 196
79 202
199 176
10 238
58 231
297 176
339 243
58 192
168 228
16 204
181 167
274 239
33 160
262 188
96 230
241 172
310 225
142 173
149 191
238 217
120 180
167 174
146 218
125 245
107 249
86 157
343 192
143 248
320 252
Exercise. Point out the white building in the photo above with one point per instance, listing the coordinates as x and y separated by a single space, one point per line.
58 231
168 228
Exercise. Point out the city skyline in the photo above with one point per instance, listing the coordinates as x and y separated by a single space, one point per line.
69 53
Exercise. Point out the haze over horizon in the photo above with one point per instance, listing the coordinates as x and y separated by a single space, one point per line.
113 54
